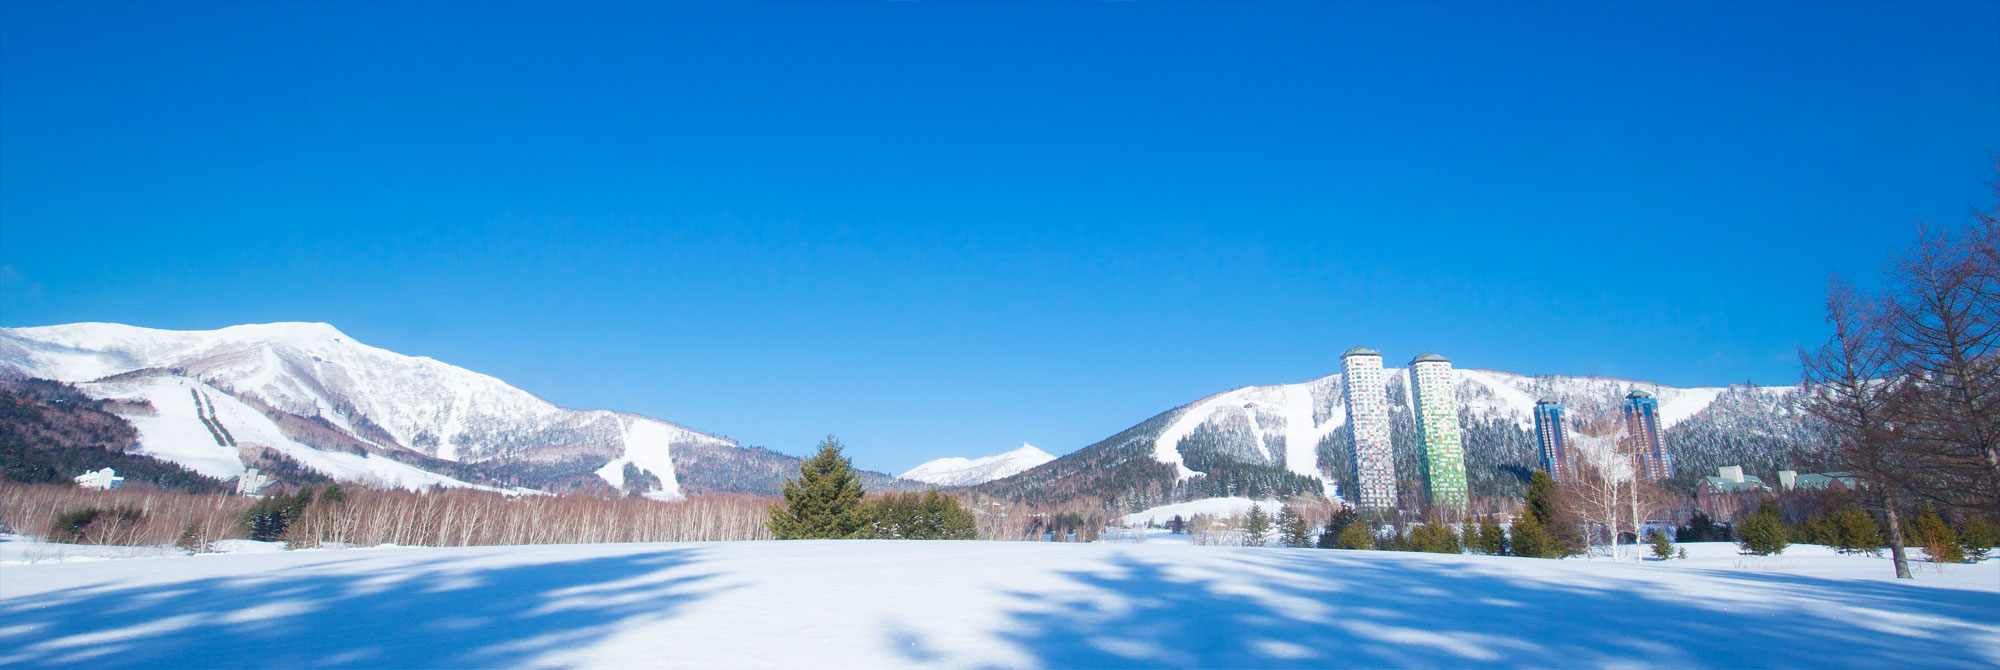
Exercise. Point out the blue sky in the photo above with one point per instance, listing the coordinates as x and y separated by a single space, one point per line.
947 228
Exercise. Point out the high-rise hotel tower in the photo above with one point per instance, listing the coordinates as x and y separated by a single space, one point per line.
1368 418
1437 424
1642 427
1553 436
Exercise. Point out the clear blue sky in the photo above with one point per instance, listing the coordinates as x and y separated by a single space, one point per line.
944 229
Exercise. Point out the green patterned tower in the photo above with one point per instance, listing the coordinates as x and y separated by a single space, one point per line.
1437 425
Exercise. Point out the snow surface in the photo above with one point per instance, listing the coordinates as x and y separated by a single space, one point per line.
871 604
960 471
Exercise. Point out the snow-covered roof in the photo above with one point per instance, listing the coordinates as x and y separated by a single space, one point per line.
1725 485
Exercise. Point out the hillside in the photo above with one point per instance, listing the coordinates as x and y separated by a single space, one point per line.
880 604
1285 440
219 402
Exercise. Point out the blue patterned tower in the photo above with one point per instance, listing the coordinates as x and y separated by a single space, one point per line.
1552 433
1642 428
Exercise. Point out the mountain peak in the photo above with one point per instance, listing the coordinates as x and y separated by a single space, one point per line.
959 471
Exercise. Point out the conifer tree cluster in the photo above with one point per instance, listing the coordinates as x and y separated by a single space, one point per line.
918 516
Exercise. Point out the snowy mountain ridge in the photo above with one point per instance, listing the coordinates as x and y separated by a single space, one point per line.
1287 439
349 410
960 471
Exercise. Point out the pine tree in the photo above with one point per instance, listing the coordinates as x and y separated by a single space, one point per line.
1530 540
1256 526
1492 539
1542 498
1936 537
1978 537
824 502
1764 533
1177 525
1663 548
1436 538
1855 532
1331 535
1297 533
1468 535
1356 536
1544 506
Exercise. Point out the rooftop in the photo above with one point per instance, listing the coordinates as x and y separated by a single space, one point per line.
1548 400
1638 394
1428 357
1360 351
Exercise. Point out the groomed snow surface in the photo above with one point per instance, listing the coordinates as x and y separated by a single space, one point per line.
868 604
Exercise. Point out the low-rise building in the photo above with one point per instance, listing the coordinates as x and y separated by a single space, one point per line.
1722 495
103 480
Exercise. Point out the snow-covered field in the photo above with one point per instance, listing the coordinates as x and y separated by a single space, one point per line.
984 604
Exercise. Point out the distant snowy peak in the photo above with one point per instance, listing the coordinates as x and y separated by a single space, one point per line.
956 471
343 396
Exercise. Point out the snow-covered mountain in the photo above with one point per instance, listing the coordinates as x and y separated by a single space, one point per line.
959 471
1286 439
224 400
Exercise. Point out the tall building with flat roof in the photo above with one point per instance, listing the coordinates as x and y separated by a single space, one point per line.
1368 418
1552 433
1436 406
1642 427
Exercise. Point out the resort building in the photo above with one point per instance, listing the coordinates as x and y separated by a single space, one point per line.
1368 418
1552 434
1436 404
1642 427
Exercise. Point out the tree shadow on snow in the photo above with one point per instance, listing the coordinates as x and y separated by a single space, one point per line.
439 614
1364 609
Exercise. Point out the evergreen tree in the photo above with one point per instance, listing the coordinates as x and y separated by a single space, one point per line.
1492 539
1936 537
1177 525
1544 506
824 502
1529 540
1330 535
1663 548
271 516
1764 533
1356 536
1256 526
1468 535
1542 498
1978 537
1855 532
1297 533
1436 538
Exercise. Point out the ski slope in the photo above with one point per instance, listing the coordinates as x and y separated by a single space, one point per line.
890 604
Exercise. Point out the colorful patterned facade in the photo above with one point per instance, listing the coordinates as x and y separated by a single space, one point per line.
1552 433
1437 425
1368 418
1642 428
